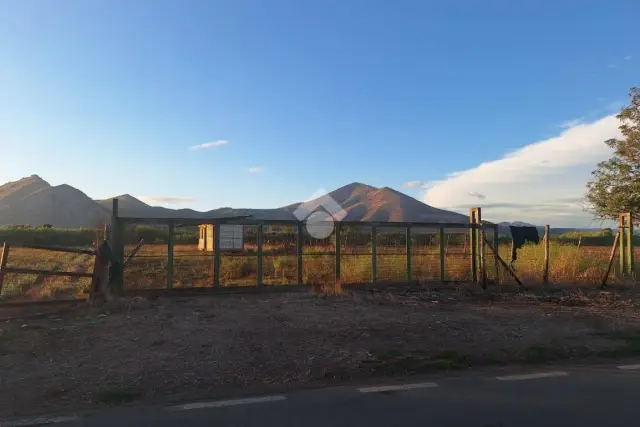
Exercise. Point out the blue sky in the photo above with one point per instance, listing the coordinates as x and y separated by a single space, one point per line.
422 96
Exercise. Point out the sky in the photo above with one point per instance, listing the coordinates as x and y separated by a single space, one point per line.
259 103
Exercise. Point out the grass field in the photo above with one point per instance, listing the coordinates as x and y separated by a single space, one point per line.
570 264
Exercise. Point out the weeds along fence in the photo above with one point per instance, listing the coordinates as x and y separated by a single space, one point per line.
595 258
150 253
284 253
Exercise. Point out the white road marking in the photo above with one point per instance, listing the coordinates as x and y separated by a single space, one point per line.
378 389
37 421
532 376
232 402
629 367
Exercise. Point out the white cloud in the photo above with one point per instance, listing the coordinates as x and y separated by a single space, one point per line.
628 58
165 200
255 169
212 144
414 184
539 183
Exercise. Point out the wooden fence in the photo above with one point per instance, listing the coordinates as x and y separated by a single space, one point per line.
99 274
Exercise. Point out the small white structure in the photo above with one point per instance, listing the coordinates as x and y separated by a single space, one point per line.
231 237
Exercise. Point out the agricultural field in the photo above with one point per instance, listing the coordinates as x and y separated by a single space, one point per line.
570 262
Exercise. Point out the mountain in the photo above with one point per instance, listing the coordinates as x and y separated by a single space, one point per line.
363 202
33 201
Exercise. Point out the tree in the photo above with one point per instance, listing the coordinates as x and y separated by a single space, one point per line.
615 186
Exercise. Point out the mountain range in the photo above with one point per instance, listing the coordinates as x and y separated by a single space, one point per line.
33 201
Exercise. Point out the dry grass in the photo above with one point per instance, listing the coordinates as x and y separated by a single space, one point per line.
193 268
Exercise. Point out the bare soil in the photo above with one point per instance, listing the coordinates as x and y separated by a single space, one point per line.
62 358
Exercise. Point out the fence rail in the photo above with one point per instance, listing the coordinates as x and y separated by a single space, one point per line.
408 262
96 275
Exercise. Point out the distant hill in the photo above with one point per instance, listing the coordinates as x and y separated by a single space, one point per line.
33 201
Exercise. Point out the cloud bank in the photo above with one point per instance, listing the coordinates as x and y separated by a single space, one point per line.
543 182
255 169
213 144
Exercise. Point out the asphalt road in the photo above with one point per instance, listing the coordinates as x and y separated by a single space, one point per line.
552 396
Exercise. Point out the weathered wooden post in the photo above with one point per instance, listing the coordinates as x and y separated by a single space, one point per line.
337 237
612 256
547 238
117 250
443 275
100 292
216 254
299 253
480 238
408 250
374 254
4 257
170 238
260 243
625 228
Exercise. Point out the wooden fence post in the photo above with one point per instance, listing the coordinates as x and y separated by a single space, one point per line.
170 239
260 243
4 257
117 250
300 244
338 241
443 275
547 238
374 254
408 250
216 254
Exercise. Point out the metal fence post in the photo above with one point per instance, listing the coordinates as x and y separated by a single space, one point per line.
374 254
300 244
473 243
408 250
170 255
216 254
337 237
260 240
443 275
547 237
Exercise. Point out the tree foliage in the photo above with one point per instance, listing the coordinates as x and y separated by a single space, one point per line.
615 186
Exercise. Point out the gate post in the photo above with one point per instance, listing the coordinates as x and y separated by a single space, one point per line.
117 249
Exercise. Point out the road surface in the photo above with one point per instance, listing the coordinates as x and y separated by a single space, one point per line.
551 396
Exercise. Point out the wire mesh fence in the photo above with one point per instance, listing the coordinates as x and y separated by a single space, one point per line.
426 253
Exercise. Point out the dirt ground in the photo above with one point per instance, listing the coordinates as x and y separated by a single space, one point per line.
61 358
